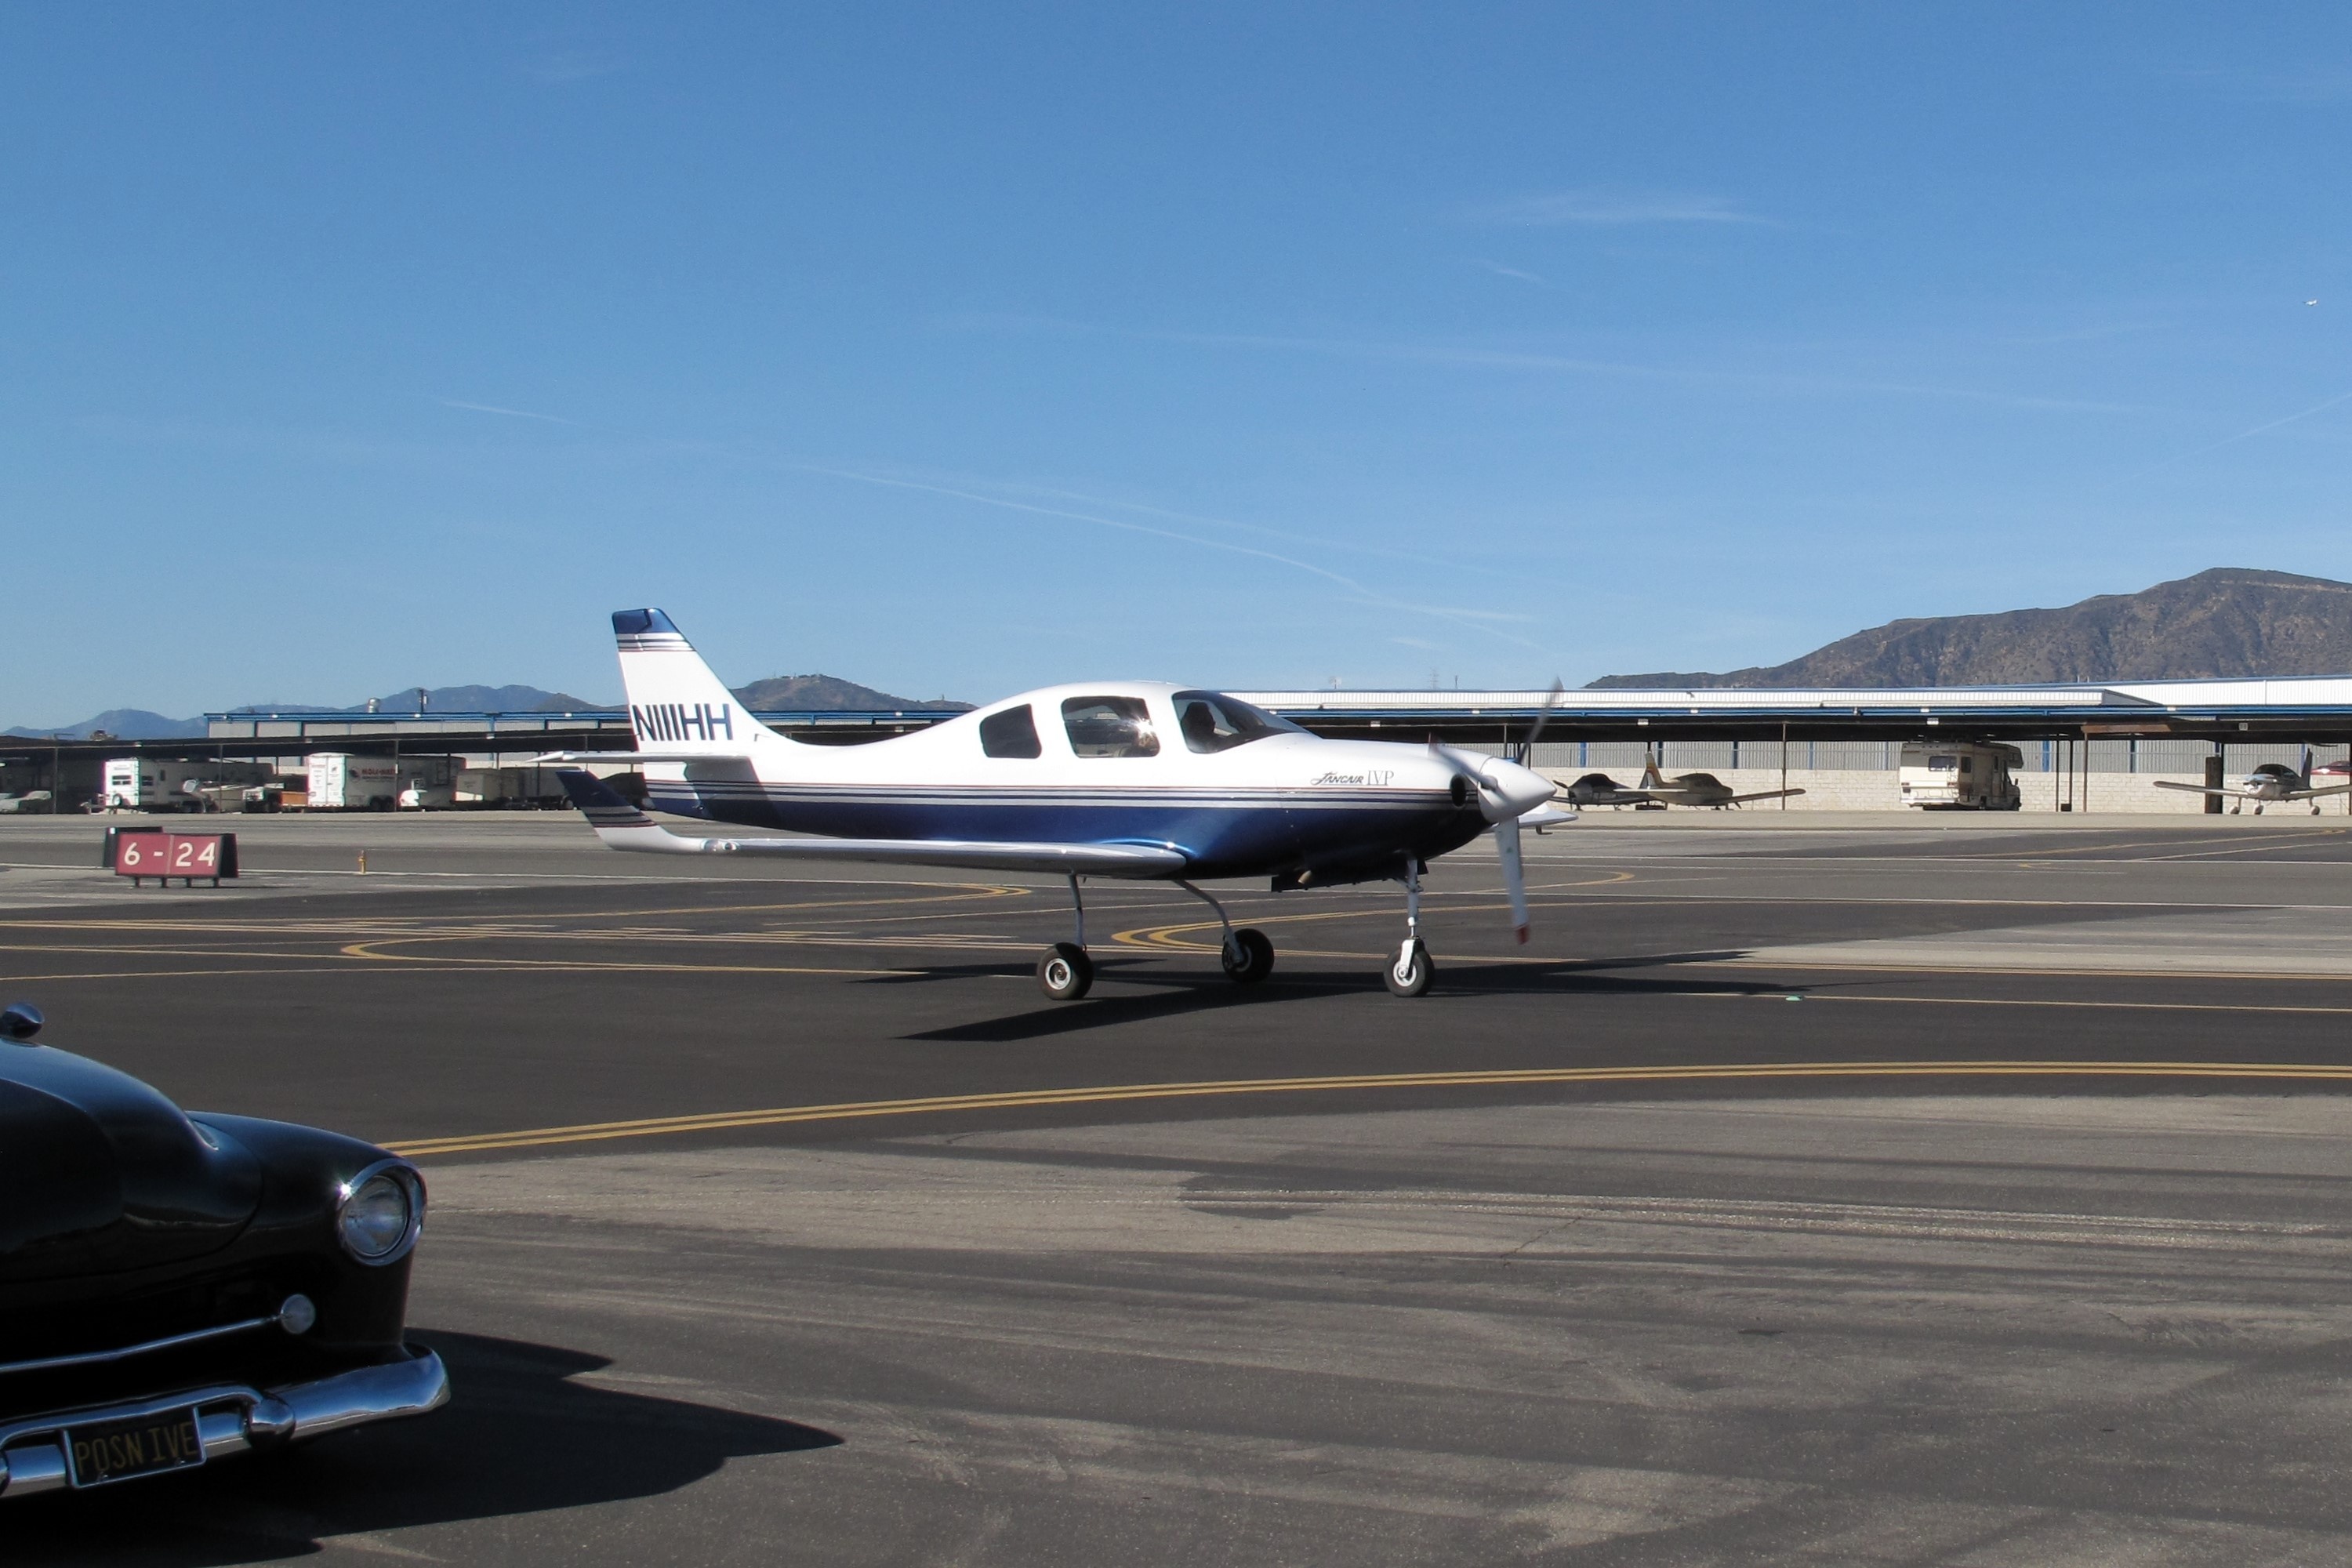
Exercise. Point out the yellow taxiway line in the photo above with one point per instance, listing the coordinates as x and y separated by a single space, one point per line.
712 1121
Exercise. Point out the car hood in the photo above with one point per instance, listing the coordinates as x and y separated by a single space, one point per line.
99 1171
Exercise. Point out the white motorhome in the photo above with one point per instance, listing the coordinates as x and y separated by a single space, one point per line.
1961 775
160 783
341 782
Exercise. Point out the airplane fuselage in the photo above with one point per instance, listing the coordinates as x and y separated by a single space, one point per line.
1106 762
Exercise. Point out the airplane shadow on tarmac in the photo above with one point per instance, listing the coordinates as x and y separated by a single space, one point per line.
1179 995
517 1436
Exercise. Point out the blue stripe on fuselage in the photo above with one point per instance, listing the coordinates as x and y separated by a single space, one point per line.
1222 839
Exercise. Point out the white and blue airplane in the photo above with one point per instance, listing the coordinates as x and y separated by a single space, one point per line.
1127 779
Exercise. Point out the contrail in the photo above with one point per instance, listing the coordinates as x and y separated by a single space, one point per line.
1369 596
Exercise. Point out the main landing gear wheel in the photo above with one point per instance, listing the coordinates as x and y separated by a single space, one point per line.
1248 956
1409 970
1066 972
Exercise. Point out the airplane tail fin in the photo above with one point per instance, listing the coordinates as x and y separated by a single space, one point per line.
2306 764
1651 777
676 703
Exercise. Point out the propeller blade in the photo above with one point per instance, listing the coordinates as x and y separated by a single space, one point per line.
1551 701
1515 875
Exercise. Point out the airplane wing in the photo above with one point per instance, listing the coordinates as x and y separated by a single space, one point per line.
575 759
2324 789
2197 789
622 826
1762 795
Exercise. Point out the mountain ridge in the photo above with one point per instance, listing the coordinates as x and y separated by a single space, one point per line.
806 693
2229 621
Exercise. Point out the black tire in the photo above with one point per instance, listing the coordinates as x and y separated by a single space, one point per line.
1066 972
1409 972
1248 957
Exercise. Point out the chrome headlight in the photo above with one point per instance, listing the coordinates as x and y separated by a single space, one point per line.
379 1212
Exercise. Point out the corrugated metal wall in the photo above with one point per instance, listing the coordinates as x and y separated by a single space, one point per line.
2153 755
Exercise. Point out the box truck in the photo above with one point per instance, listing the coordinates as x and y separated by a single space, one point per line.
520 788
338 781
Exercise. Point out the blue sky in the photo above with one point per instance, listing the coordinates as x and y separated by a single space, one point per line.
959 348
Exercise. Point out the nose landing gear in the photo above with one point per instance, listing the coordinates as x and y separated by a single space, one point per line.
1410 970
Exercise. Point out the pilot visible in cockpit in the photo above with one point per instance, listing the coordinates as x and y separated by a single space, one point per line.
1200 727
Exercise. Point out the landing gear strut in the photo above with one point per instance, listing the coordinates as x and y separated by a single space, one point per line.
1246 954
1409 972
1066 972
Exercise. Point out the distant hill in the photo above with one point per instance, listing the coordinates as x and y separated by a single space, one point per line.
791 694
123 724
2231 621
831 694
447 700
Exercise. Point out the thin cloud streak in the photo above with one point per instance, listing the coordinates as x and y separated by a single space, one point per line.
1512 359
572 65
1614 209
1470 620
1499 270
2240 435
509 413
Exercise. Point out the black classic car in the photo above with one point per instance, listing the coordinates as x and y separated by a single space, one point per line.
176 1287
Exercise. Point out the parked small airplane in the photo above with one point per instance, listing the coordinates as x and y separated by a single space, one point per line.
2269 784
1136 780
1657 790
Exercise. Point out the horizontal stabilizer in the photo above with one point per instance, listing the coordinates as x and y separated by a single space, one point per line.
622 826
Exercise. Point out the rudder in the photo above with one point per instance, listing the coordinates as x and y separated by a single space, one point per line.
676 702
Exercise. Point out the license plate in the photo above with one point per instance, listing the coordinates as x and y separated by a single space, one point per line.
142 1445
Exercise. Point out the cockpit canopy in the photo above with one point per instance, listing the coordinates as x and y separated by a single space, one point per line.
1127 724
1110 727
1213 722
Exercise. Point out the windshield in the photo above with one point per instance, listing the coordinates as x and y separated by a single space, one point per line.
1213 722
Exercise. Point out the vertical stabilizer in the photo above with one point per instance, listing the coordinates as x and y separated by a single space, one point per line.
676 703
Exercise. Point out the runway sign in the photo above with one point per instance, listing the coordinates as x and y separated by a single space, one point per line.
163 856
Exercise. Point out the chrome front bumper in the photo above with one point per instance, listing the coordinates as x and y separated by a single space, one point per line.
232 1418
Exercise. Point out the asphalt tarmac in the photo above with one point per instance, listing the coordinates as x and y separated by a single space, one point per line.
1837 1192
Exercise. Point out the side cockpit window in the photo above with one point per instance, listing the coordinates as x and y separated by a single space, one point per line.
1012 733
1213 722
1110 727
